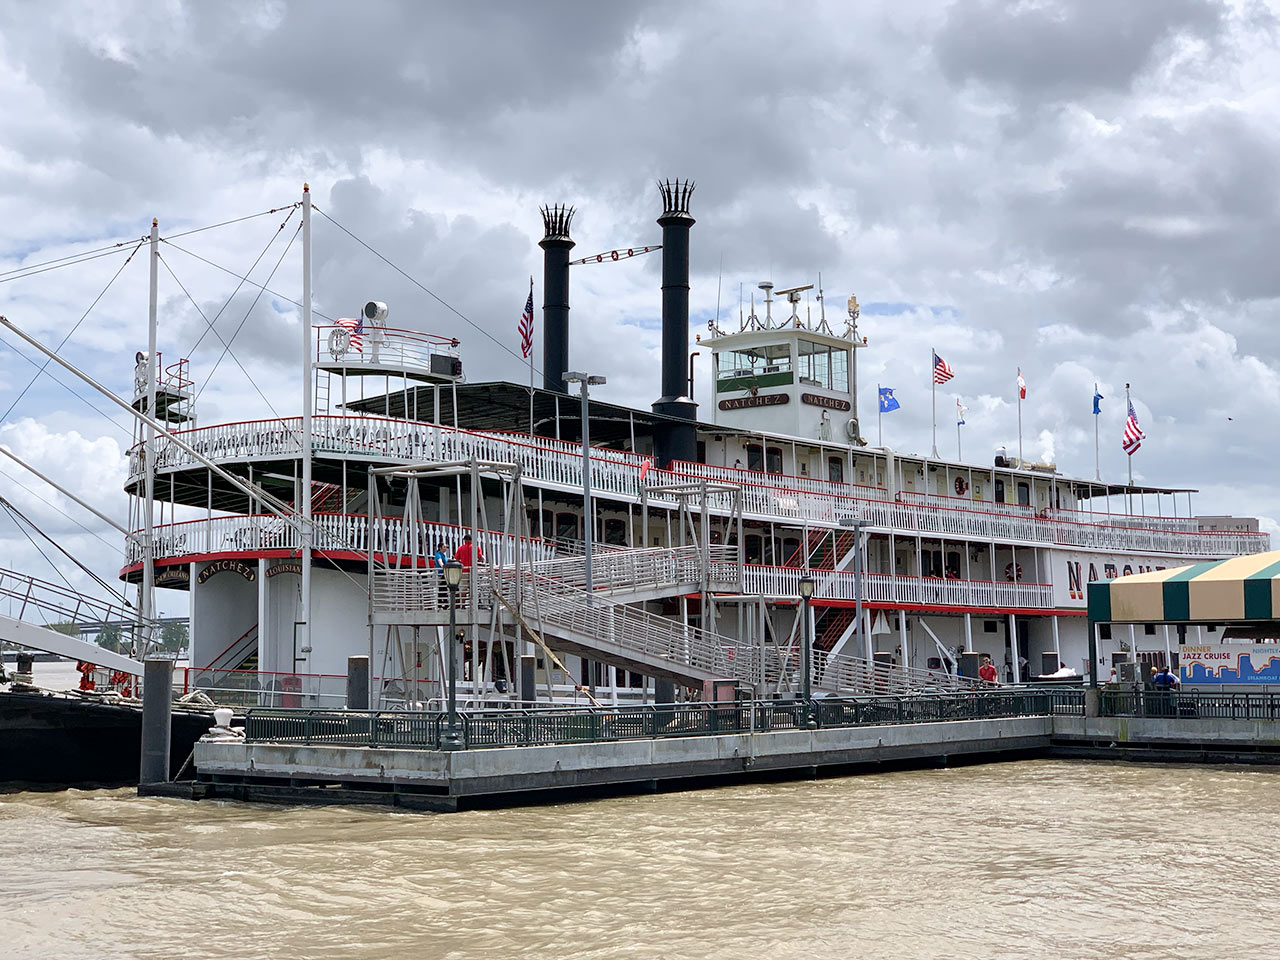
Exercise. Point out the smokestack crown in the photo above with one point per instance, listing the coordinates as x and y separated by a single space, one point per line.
675 199
556 220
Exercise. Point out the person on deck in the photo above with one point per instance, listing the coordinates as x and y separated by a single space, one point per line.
466 554
987 671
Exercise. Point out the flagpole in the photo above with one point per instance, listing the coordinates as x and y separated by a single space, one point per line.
959 451
1097 460
531 387
1127 404
1019 422
879 418
933 380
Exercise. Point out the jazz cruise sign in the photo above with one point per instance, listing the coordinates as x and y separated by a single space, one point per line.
1229 663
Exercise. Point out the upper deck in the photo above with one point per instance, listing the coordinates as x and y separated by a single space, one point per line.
361 441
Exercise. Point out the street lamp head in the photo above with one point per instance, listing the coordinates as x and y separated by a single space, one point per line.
573 377
806 587
596 381
452 573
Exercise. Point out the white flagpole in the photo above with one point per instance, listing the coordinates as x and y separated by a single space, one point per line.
933 382
879 418
1019 422
959 451
531 387
1127 404
1097 459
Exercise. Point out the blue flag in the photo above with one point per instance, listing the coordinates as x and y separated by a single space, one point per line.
1097 400
887 400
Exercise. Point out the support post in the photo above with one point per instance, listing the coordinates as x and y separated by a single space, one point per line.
528 680
157 712
304 530
358 683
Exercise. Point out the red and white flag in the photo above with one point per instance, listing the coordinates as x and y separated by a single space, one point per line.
1133 435
526 324
354 330
1022 386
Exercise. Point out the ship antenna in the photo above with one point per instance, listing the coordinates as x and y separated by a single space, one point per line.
719 284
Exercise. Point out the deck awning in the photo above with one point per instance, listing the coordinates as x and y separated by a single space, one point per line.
1241 589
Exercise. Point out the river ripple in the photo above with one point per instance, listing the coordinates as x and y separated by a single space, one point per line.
1035 859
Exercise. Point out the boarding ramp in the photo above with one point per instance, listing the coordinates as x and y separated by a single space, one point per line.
25 597
601 628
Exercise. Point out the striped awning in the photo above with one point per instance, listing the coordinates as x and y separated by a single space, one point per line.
1221 591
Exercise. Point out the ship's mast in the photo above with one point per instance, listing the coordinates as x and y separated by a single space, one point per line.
147 591
304 601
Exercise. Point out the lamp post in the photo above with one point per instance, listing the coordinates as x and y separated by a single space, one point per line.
452 740
588 513
806 654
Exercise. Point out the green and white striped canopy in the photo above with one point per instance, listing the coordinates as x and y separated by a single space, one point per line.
1220 591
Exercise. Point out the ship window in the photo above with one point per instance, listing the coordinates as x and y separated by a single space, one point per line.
566 526
1024 495
755 457
835 470
755 547
753 361
773 460
823 366
615 532
791 550
999 491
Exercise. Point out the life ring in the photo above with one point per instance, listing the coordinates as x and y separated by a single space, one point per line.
1013 572
962 486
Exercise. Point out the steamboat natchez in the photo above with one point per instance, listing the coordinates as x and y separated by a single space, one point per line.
706 519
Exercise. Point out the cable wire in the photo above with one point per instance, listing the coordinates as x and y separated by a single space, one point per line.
444 303
225 344
283 254
17 515
85 400
243 281
71 332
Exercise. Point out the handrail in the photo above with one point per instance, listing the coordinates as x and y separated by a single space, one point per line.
617 473
233 644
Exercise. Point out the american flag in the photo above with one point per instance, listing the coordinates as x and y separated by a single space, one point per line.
354 328
941 372
526 324
1133 435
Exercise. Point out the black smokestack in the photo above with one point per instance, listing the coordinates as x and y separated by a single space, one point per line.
555 296
675 441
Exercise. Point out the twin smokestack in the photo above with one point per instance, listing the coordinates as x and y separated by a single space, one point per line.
674 436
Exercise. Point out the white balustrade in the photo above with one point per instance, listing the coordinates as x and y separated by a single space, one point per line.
617 474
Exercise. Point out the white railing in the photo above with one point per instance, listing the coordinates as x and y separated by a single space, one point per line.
382 348
617 474
332 532
889 588
625 571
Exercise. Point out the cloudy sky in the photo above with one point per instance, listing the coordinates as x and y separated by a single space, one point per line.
1081 189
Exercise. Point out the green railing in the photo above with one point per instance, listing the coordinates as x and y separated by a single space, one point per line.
1190 705
552 725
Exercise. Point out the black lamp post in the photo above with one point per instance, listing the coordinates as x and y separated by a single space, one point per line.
806 653
452 577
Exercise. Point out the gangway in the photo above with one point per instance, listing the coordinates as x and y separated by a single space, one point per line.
28 595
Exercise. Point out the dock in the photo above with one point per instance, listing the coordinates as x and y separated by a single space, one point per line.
521 756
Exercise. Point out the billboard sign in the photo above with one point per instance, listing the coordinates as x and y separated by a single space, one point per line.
1229 663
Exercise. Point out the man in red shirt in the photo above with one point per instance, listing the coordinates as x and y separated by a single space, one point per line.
987 671
464 554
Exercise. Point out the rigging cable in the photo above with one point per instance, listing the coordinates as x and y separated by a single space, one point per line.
31 270
257 297
283 298
448 306
85 400
225 344
17 515
243 280
71 332
56 508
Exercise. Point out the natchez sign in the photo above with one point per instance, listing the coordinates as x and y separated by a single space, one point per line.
1073 571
